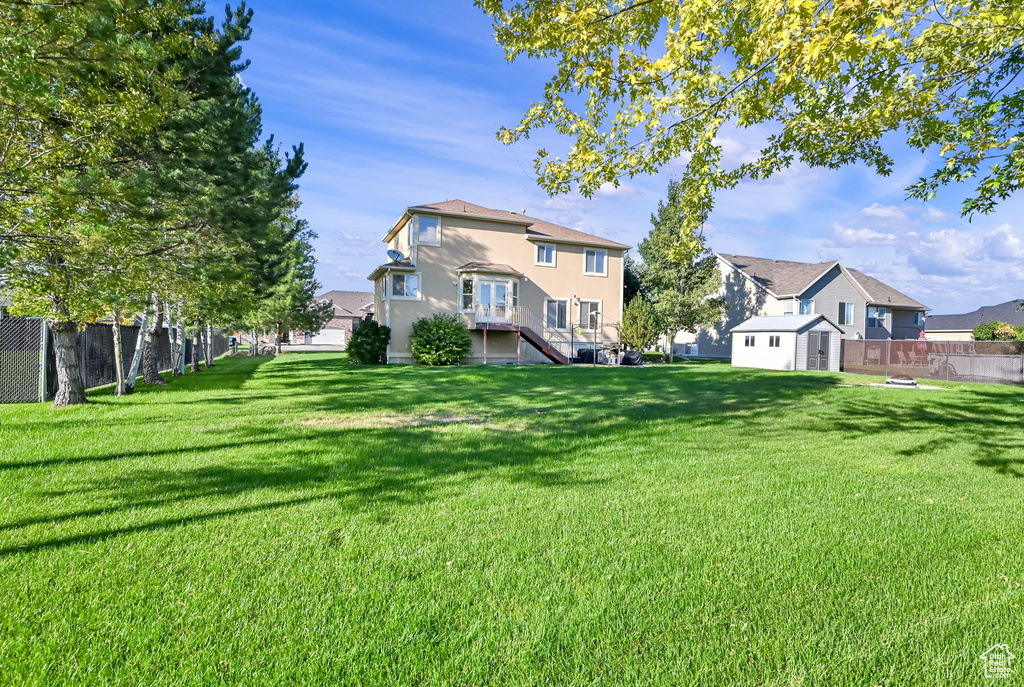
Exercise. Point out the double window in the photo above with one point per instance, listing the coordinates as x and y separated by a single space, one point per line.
590 314
806 306
428 231
545 255
405 286
748 340
773 341
595 263
846 313
876 317
556 313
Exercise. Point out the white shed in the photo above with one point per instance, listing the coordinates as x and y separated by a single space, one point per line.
787 342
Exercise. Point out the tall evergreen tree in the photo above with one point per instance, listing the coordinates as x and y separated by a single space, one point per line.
680 273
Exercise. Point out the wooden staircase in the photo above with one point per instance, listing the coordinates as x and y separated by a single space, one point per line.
528 325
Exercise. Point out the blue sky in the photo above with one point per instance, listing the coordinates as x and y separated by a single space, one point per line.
398 106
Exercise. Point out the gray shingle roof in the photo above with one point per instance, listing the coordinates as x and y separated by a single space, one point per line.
779 323
350 303
789 278
1004 312
535 228
496 267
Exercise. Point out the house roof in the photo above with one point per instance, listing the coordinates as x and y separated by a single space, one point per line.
350 303
494 267
780 323
1004 312
404 265
536 229
789 278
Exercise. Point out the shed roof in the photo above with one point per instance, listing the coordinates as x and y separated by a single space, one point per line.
781 323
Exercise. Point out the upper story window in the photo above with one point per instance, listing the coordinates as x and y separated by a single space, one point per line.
846 313
545 255
919 319
595 263
806 306
876 317
428 231
787 307
405 286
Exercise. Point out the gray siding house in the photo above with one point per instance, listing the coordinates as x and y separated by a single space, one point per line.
861 306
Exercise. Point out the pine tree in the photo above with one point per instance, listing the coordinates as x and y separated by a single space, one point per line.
680 273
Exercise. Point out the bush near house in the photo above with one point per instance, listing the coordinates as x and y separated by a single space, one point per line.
998 331
440 340
369 343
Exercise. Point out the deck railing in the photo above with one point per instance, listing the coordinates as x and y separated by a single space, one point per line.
577 335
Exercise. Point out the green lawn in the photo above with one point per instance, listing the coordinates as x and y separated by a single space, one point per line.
296 521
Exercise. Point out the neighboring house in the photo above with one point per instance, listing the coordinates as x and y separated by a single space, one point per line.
529 290
5 304
961 327
350 308
861 306
787 342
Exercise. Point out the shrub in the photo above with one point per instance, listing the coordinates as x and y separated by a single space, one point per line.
440 340
640 326
369 343
987 331
1006 333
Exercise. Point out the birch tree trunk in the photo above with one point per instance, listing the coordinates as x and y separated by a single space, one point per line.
208 347
151 357
197 340
118 354
254 345
140 348
70 387
179 371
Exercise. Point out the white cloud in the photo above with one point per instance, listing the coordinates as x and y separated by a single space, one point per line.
1001 244
888 215
848 237
735 153
610 190
351 274
356 240
942 253
933 214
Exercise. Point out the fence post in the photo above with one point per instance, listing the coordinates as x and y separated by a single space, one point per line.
44 340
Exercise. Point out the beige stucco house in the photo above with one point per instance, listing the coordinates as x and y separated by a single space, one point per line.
861 306
529 291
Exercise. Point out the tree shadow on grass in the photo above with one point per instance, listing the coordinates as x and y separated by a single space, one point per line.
370 437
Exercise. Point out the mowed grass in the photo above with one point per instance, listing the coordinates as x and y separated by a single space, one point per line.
299 521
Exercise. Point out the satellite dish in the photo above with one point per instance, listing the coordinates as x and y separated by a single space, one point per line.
396 255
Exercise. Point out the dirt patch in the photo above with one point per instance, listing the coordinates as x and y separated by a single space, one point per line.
430 420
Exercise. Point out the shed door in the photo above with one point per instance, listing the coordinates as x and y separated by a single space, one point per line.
817 350
813 346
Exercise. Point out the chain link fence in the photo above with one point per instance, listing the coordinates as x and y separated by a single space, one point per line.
28 367
997 362
22 360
